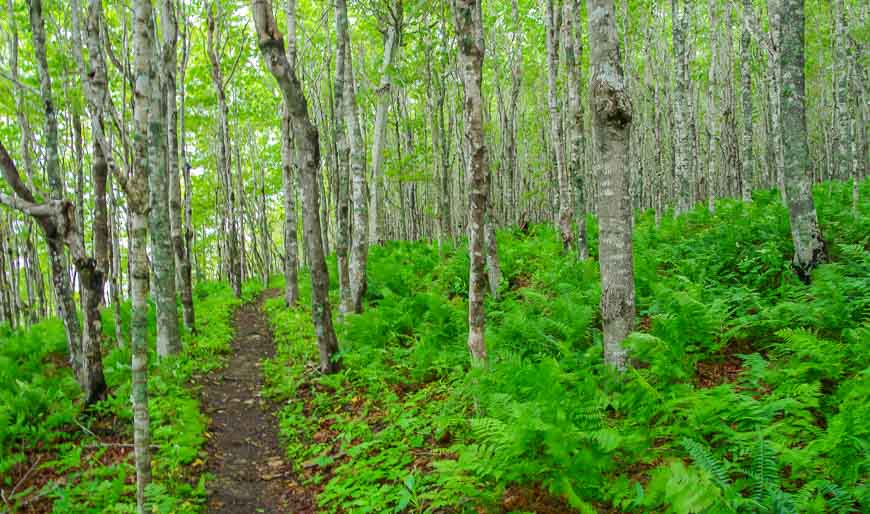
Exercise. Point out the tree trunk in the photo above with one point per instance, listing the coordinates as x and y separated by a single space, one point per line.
182 227
573 54
377 187
748 164
148 96
162 254
63 228
611 108
60 279
564 198
359 239
841 80
468 19
308 146
806 233
682 139
342 161
224 159
291 265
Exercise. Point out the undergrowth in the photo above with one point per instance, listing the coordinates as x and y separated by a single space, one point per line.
57 455
747 391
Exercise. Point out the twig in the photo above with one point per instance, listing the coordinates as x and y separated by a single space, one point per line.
86 429
99 444
17 83
21 481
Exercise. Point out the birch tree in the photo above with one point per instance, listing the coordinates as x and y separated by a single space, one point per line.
554 17
146 140
576 143
271 44
682 138
224 155
611 118
61 226
844 137
180 211
377 187
359 240
809 247
747 151
288 176
165 144
468 22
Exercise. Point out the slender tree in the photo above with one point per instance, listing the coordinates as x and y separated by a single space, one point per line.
146 113
359 240
224 155
288 175
681 94
611 118
180 209
271 46
576 171
377 187
554 17
165 144
61 227
468 21
342 161
844 137
748 161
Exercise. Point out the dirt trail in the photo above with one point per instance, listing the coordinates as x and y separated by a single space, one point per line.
245 454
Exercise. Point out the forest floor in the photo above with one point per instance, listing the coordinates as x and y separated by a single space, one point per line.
245 454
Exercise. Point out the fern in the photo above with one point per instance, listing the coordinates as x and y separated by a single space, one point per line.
765 471
706 461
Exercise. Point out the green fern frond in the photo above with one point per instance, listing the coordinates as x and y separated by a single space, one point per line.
765 471
706 461
490 430
838 499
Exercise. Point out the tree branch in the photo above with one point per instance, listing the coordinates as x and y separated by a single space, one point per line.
10 172
21 85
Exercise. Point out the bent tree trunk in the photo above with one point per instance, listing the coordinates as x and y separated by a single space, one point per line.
58 221
61 226
307 139
611 116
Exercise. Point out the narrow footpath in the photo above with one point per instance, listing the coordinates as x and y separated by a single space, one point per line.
247 460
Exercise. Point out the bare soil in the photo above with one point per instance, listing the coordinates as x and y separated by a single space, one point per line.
246 457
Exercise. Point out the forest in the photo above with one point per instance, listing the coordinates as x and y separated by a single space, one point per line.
434 256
